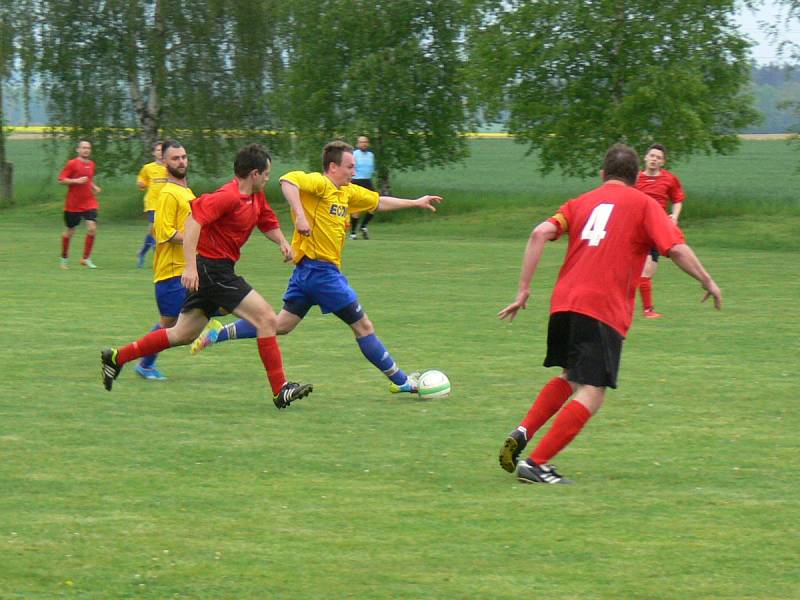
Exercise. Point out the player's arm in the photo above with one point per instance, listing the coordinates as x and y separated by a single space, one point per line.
542 233
65 178
276 235
191 234
292 194
676 211
683 256
391 203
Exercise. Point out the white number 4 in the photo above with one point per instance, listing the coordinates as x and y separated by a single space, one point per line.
595 228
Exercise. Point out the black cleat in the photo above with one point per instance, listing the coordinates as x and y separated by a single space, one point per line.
509 453
529 472
109 367
290 392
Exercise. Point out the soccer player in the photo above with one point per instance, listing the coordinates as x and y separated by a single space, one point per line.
220 224
365 169
666 188
320 203
80 204
171 207
150 180
611 230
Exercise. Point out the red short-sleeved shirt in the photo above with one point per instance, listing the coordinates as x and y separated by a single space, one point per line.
80 197
227 218
664 187
611 230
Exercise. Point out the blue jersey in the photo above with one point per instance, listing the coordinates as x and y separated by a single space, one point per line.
365 164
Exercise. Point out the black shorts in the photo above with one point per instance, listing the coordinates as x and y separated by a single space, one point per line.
365 183
588 349
73 219
654 254
219 287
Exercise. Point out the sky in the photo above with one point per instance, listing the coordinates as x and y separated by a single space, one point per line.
765 52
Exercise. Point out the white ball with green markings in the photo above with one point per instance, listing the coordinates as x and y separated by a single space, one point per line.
433 384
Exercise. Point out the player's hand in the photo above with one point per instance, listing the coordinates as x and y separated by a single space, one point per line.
190 279
288 253
81 180
428 202
302 226
674 219
713 291
511 310
96 189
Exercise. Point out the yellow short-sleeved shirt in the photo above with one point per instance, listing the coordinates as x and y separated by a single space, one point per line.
153 176
174 205
327 209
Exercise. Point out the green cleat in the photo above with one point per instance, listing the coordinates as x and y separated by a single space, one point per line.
207 337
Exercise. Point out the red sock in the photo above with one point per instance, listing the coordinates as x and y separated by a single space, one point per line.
153 342
64 246
567 425
550 399
646 290
87 246
270 355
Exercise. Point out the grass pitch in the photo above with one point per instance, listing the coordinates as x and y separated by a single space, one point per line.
198 487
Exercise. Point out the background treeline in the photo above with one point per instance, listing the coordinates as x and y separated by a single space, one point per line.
568 79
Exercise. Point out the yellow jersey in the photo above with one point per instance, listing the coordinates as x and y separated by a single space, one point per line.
153 176
327 209
174 205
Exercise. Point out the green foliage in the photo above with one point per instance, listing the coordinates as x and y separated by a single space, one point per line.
577 77
124 74
390 70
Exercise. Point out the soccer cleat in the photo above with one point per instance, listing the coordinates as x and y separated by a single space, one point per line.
364 233
150 373
509 453
353 236
63 263
109 367
207 337
87 262
529 472
290 392
411 386
650 313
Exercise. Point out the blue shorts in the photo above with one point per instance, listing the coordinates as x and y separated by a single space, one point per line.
317 282
151 215
170 295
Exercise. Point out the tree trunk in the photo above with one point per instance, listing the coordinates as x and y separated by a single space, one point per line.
6 169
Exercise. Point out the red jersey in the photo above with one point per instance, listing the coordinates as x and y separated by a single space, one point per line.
228 218
664 187
80 197
611 230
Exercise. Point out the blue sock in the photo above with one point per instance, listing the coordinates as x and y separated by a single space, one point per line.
149 242
372 348
148 362
241 330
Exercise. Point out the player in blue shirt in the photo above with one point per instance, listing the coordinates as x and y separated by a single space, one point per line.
365 169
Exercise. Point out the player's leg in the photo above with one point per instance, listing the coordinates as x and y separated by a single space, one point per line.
71 221
149 240
190 322
364 222
257 311
170 296
646 285
354 225
90 218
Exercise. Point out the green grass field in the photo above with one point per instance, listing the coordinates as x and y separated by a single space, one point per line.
198 488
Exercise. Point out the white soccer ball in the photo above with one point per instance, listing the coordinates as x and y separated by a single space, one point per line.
433 384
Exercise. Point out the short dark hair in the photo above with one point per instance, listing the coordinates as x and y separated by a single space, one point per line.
251 157
657 147
167 144
158 143
333 151
621 162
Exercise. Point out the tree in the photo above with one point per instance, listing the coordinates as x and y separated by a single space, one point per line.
17 54
388 69
124 73
579 76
